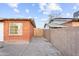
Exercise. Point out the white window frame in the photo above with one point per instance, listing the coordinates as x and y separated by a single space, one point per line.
20 27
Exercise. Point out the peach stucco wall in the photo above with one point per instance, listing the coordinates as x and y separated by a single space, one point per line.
72 24
26 33
75 24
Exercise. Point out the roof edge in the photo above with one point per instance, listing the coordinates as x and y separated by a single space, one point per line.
19 19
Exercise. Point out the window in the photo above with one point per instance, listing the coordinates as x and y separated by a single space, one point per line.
15 28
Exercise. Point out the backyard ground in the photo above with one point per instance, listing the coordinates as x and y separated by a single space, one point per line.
36 47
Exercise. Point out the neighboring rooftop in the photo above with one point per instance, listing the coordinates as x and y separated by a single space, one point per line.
20 19
57 22
63 20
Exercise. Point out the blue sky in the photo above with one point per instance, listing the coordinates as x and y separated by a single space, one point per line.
38 11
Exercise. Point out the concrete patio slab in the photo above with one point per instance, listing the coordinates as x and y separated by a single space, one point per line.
36 47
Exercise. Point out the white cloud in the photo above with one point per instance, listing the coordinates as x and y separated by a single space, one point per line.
47 8
42 6
74 7
16 10
33 4
45 12
14 6
27 10
35 17
44 19
68 15
54 7
29 16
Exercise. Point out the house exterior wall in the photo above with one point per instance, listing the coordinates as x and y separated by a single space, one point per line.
68 24
75 24
31 31
72 24
38 32
27 31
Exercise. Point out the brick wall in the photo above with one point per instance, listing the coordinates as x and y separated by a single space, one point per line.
26 31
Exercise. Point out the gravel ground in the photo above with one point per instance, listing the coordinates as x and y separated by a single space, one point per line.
36 47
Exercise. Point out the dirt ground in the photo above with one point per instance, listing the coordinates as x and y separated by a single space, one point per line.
36 47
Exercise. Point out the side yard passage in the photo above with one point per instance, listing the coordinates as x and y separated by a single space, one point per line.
37 47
